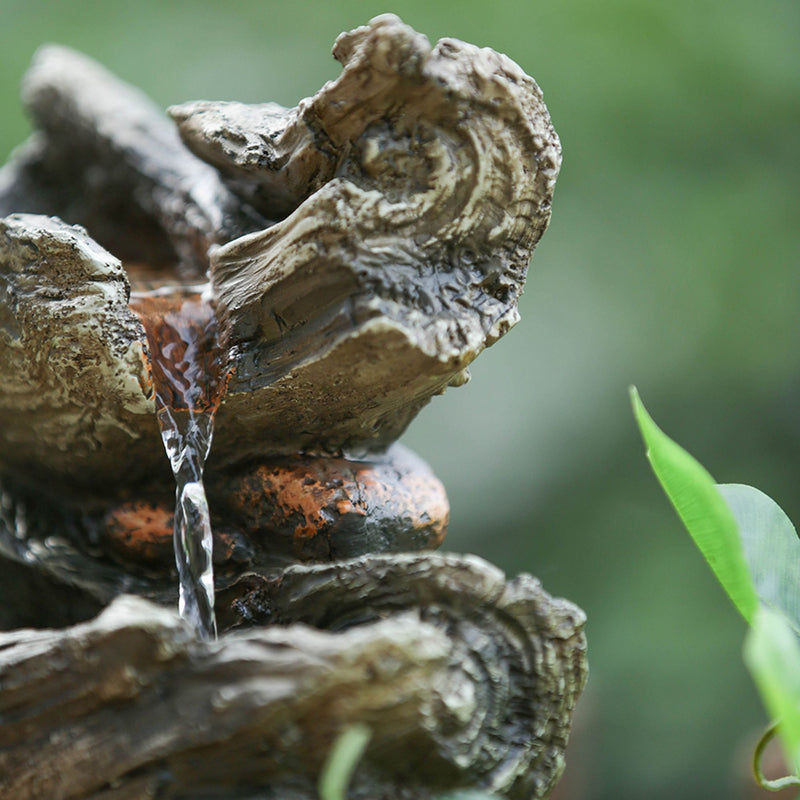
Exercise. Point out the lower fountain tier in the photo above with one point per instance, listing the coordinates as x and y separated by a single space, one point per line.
265 515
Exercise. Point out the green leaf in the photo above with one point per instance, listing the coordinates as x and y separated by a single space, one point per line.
771 548
467 795
341 762
772 653
702 509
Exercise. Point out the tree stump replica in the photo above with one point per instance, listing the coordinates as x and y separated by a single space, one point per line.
360 250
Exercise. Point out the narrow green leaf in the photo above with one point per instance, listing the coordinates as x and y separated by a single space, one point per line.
341 762
771 548
702 509
772 653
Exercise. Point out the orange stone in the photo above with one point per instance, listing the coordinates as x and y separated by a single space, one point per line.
298 508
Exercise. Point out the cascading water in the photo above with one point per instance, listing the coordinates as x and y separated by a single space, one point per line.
189 383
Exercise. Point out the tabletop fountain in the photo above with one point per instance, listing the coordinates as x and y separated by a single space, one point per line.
213 330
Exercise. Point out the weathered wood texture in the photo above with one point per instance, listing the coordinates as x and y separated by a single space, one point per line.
76 402
463 678
426 177
416 184
106 157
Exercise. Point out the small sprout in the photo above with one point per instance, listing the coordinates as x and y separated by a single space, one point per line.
342 761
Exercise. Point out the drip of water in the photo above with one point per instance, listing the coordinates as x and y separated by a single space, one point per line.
189 383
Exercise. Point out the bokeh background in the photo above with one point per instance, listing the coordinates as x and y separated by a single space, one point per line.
671 263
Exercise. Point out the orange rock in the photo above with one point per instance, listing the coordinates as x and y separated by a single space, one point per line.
298 508
313 509
140 531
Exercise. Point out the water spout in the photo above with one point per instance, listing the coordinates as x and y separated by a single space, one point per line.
189 382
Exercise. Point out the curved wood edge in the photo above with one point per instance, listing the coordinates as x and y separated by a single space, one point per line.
465 679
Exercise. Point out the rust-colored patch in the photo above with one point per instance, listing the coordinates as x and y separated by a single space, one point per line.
315 505
301 498
140 531
301 508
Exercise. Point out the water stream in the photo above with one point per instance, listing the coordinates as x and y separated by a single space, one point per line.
189 383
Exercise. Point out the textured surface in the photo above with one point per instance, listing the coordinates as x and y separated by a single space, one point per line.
264 516
76 398
416 184
296 508
410 193
323 509
426 177
106 157
464 679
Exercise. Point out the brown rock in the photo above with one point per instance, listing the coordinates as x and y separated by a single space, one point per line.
76 401
296 509
463 677
323 509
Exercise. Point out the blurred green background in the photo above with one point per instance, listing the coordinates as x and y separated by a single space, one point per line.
671 262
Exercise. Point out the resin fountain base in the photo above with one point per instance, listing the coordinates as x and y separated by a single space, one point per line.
362 249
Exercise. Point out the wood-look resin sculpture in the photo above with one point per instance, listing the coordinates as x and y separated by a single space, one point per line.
360 250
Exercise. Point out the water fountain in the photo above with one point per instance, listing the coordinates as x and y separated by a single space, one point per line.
360 250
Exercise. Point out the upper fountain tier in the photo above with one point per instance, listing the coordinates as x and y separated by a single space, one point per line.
410 193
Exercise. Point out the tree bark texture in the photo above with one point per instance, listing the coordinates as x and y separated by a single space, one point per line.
465 679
